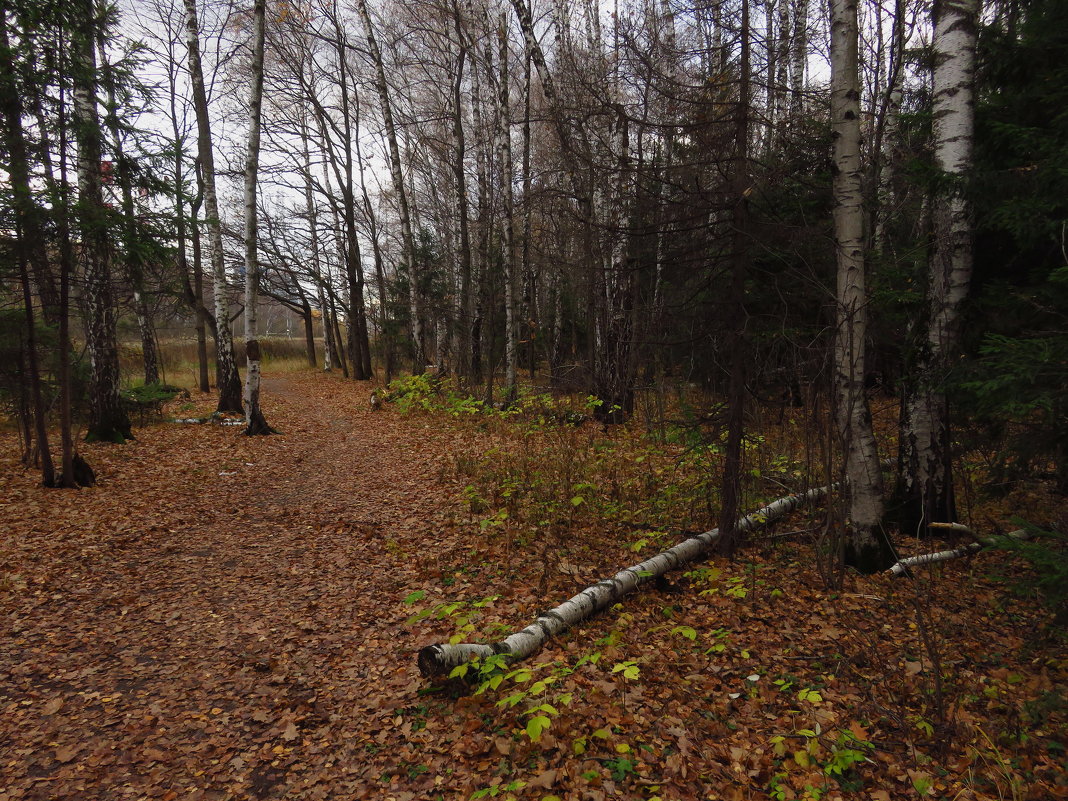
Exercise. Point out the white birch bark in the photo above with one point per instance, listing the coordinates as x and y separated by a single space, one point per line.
926 476
436 659
504 157
798 55
255 423
228 379
904 566
862 469
108 420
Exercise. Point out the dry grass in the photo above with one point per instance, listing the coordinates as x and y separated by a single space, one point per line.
180 366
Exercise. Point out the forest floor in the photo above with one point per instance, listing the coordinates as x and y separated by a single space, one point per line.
232 618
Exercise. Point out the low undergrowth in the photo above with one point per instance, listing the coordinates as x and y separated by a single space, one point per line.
750 676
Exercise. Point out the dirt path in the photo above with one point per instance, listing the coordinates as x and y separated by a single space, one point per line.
220 617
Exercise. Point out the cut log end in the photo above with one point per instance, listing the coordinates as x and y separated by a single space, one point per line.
430 661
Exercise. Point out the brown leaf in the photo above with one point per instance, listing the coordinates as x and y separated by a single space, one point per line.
65 753
546 779
290 732
53 706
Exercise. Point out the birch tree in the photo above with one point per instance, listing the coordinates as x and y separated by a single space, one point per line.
108 420
866 545
229 382
254 419
926 484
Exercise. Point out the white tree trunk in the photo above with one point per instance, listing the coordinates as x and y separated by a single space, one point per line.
253 414
228 379
904 566
927 485
435 659
107 419
864 544
798 55
504 157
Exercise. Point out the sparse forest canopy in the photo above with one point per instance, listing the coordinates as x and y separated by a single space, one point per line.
643 267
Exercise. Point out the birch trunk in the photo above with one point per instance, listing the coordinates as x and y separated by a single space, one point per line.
504 157
798 55
254 419
904 566
226 364
926 482
436 659
865 547
108 421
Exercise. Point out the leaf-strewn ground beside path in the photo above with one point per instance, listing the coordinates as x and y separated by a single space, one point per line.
222 618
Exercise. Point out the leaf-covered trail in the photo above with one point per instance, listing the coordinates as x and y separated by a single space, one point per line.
219 617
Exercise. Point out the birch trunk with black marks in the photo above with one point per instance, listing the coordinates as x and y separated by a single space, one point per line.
254 419
437 659
229 382
866 547
925 489
504 158
108 421
904 566
798 55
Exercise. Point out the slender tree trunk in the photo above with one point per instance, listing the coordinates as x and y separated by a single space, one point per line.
48 470
309 331
798 55
926 483
254 419
29 241
504 158
108 421
732 465
132 260
359 344
396 171
229 382
313 236
29 215
866 546
203 317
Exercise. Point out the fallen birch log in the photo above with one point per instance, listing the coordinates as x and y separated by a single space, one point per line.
436 659
904 565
